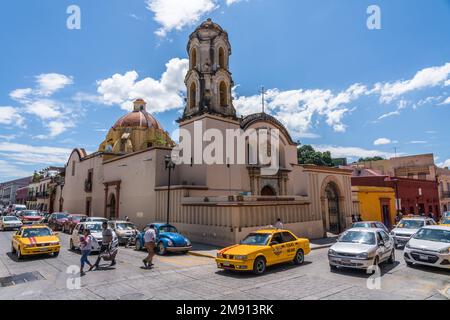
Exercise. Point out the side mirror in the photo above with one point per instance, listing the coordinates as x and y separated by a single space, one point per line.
56 233
381 243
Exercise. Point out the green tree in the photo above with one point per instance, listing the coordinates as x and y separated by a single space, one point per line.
370 159
307 155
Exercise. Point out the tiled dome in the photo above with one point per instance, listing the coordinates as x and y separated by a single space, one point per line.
139 117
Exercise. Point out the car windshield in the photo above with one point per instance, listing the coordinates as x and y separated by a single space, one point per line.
362 237
164 229
30 213
60 215
436 235
361 225
256 239
36 232
9 218
410 224
125 226
94 226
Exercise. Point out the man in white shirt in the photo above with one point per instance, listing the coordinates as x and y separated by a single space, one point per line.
149 239
279 224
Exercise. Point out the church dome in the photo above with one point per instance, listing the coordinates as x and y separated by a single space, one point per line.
139 117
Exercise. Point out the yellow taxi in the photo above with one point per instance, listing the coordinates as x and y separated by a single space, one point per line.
263 248
35 240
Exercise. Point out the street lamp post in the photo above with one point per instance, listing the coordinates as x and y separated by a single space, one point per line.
170 165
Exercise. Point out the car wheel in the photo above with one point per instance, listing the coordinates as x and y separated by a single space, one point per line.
13 251
376 262
391 259
299 257
72 247
259 266
333 267
161 249
138 246
409 264
55 254
18 254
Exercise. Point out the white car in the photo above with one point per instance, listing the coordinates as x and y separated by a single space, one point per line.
94 219
96 232
405 229
10 223
430 246
361 248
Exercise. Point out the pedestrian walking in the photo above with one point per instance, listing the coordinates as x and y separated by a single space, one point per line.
279 224
149 239
107 239
86 248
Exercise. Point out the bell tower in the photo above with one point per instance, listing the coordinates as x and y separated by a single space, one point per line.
209 80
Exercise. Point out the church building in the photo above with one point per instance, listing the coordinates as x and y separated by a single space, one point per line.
210 203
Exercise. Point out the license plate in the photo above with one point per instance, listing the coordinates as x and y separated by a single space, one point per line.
422 257
226 264
43 249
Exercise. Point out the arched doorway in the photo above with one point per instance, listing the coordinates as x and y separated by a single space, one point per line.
112 206
333 219
268 191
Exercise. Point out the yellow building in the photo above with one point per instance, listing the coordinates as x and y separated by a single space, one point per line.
376 204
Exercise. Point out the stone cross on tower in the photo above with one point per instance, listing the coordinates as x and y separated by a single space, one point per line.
209 80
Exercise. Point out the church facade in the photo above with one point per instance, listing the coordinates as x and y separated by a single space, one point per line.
215 203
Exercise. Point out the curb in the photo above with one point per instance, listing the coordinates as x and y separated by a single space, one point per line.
202 255
322 246
205 255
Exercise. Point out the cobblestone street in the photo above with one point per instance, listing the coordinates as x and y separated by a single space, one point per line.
193 277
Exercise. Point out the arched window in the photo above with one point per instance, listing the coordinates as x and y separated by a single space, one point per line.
192 95
222 63
223 94
193 62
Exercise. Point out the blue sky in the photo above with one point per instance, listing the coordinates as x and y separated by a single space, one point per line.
333 82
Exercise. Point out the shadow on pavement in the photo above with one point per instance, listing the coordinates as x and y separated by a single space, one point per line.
270 270
361 273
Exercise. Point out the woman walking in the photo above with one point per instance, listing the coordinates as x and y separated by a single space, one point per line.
86 248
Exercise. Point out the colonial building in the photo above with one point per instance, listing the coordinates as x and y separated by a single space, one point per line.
443 175
211 203
376 204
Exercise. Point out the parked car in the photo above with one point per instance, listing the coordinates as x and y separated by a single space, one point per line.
44 218
29 216
96 232
429 246
445 222
57 220
408 226
361 248
168 239
370 224
264 248
71 222
9 223
35 240
123 229
94 219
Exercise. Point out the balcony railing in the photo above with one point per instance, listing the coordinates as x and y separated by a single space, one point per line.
445 194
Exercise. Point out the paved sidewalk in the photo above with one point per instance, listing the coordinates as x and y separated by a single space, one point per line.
209 251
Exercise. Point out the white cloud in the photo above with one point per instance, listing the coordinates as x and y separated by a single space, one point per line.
425 78
418 142
160 95
297 108
446 101
176 14
8 137
382 141
231 2
21 95
353 152
10 171
34 154
44 109
444 164
49 83
11 116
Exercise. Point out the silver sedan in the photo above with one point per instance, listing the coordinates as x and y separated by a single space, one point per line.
362 248
9 223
